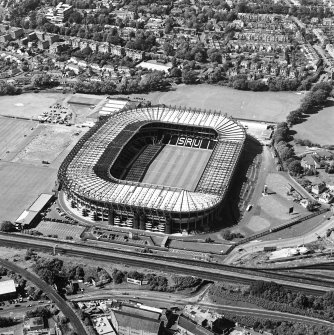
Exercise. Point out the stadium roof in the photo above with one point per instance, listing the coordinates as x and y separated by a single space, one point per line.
7 287
81 177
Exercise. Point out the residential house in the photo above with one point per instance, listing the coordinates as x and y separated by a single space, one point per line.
16 32
310 161
72 67
82 63
104 47
43 45
319 188
326 198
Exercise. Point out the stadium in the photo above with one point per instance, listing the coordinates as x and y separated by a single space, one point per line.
159 169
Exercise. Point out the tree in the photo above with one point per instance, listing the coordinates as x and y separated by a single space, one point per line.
295 167
47 275
7 226
189 76
118 276
227 235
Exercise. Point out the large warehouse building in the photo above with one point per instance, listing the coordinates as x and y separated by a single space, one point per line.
160 169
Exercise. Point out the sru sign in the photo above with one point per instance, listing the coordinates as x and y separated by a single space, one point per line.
189 142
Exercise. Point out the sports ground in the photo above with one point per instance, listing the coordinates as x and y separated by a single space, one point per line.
271 106
178 167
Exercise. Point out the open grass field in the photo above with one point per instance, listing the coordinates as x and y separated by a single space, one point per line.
62 230
318 128
28 105
178 167
271 106
12 135
20 185
50 141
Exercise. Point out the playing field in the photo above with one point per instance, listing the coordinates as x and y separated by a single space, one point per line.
20 185
28 105
14 134
318 128
271 106
178 167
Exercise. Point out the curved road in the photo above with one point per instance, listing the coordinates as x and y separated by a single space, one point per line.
51 293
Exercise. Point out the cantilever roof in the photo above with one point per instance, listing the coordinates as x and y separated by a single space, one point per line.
83 180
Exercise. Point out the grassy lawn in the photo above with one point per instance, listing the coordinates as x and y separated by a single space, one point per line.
20 186
50 141
14 134
28 105
271 106
318 128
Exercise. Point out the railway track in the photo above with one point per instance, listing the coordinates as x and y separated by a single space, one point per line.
200 269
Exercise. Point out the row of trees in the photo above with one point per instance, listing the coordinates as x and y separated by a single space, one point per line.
240 82
145 83
9 89
273 296
277 327
313 101
281 139
270 291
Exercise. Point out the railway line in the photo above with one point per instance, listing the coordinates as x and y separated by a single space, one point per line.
212 271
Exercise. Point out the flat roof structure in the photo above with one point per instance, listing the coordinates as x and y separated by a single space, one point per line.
26 217
7 287
40 202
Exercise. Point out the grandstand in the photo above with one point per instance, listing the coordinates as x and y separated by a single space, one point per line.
108 174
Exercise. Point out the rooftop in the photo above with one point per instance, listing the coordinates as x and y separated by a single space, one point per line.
7 286
40 202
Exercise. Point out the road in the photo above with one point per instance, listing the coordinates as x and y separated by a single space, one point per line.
255 246
171 299
50 292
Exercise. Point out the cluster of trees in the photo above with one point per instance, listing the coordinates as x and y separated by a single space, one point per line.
44 81
273 292
6 322
304 11
148 82
181 283
54 271
285 150
9 89
277 327
273 296
240 82
229 236
7 226
315 99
